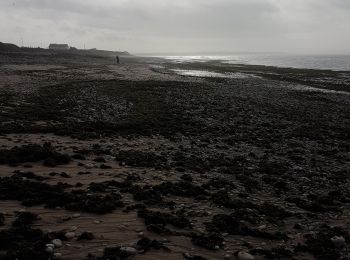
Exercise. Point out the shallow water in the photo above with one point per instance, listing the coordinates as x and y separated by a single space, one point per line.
210 74
329 62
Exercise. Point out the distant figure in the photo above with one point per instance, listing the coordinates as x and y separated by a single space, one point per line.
117 59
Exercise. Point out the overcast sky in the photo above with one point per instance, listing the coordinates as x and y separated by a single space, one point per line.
297 26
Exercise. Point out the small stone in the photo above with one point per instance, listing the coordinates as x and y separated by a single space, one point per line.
76 215
338 241
73 228
245 256
57 255
97 222
86 236
140 234
217 247
129 250
57 243
69 235
227 256
262 227
49 250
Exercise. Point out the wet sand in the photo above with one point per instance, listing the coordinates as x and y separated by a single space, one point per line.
139 161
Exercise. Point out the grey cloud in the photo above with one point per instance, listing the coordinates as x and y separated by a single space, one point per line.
182 25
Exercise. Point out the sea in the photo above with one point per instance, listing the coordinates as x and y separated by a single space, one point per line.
319 62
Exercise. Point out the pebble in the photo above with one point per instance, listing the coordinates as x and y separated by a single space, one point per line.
338 241
57 243
69 235
49 250
140 234
129 250
76 215
97 222
73 228
227 256
245 256
57 255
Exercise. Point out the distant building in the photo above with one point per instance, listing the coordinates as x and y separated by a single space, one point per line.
59 47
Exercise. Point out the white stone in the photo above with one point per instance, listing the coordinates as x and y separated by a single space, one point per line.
245 256
73 228
49 250
76 215
69 235
129 250
57 255
57 242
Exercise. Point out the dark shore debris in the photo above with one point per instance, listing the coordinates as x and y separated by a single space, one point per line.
33 153
123 252
210 241
156 217
21 241
86 236
36 193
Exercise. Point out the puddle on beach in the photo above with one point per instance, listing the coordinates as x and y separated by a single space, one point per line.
209 74
313 89
153 66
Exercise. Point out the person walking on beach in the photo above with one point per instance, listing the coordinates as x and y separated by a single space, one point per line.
117 59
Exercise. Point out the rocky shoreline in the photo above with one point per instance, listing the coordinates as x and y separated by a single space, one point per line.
106 161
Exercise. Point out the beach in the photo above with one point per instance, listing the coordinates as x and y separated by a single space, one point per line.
154 159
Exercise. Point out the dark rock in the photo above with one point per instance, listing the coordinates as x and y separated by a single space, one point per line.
187 177
33 153
28 175
78 156
141 158
100 160
193 257
234 226
145 244
2 219
320 244
86 236
211 241
25 219
183 189
155 217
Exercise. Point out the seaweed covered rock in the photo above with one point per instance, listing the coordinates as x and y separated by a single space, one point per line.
210 241
33 153
21 241
322 244
145 244
141 158
156 217
117 253
25 219
2 219
182 188
231 224
35 193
